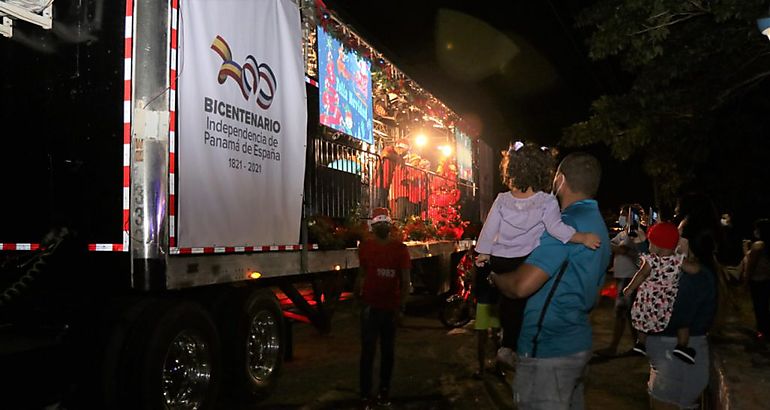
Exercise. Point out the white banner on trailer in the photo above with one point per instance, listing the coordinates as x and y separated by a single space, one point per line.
242 123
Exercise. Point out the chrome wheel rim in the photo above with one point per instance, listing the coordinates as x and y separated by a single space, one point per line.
263 346
186 372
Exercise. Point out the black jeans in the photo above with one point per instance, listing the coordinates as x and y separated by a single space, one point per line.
511 310
760 296
377 324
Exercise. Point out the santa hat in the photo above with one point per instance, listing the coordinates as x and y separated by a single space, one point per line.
664 235
381 215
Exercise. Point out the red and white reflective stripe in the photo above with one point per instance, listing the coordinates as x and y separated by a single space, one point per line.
236 249
128 53
19 246
106 247
172 77
311 81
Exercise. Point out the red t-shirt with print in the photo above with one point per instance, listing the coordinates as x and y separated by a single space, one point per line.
382 263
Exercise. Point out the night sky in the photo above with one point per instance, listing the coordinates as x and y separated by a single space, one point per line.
520 66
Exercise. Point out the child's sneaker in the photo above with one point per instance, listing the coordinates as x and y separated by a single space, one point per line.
640 349
685 354
505 356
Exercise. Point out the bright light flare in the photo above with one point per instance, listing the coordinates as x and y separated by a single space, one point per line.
446 150
420 140
255 275
337 267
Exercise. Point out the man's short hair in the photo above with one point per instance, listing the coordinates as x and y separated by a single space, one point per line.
582 171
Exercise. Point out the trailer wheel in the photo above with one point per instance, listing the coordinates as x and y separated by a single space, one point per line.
173 361
255 345
455 312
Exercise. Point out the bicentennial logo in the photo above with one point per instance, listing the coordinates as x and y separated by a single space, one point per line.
252 78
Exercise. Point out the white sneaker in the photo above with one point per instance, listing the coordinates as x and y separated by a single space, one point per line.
506 356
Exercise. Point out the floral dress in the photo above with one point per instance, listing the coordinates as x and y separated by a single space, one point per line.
655 297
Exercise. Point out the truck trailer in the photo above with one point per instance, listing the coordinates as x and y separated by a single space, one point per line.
166 166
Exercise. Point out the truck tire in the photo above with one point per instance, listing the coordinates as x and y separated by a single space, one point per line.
172 360
254 345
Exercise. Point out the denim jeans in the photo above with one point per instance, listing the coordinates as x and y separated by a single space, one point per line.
550 383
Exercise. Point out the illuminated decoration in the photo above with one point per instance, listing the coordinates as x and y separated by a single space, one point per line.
346 89
443 209
464 149
337 267
404 95
255 275
401 111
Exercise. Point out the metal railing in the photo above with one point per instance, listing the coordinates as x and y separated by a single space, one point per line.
342 179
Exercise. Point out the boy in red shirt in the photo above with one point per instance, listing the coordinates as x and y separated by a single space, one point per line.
383 285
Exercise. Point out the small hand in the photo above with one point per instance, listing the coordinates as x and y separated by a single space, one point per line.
592 241
482 259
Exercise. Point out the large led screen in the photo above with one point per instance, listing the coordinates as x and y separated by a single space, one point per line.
346 89
464 155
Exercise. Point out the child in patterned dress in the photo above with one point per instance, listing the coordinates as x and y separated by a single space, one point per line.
657 281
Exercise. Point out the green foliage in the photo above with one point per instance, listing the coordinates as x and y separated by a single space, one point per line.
689 61
329 234
416 229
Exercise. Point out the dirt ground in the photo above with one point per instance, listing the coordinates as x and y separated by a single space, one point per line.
434 367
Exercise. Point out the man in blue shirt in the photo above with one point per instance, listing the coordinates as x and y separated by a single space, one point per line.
564 280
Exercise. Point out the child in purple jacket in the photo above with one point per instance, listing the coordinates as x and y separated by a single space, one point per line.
515 223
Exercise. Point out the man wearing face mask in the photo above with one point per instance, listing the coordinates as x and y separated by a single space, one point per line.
562 281
730 251
625 249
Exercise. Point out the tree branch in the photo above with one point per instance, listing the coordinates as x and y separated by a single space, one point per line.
747 83
752 60
698 5
686 17
652 18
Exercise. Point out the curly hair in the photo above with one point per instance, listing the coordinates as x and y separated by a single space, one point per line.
529 166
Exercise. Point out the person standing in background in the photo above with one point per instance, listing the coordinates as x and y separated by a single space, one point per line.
757 273
383 286
730 253
675 383
625 248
